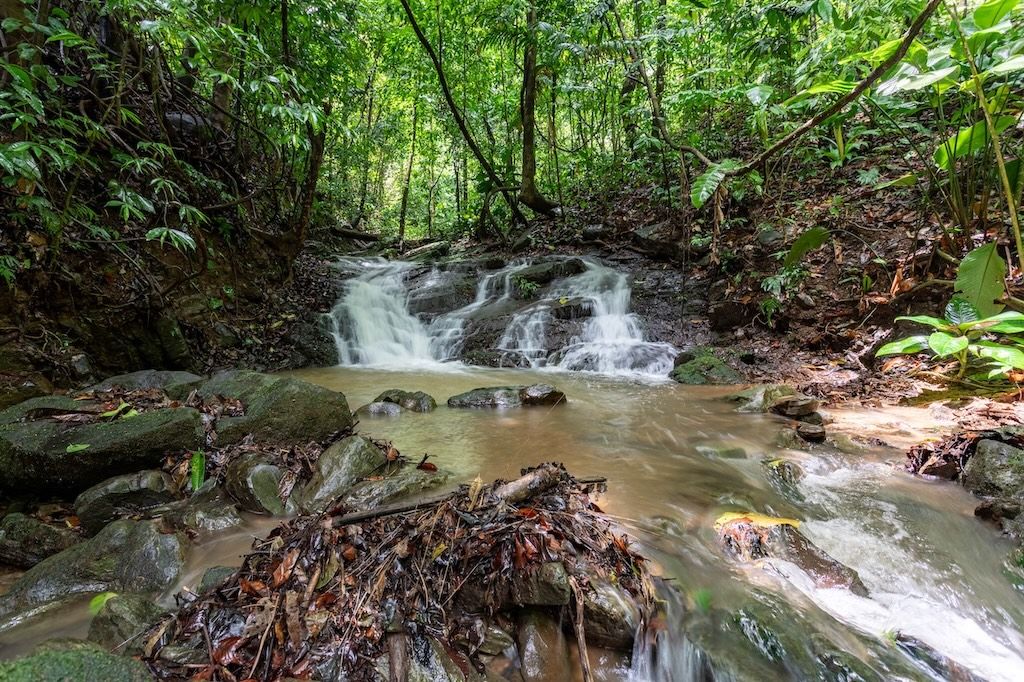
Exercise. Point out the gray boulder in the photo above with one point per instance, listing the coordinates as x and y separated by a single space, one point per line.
380 409
254 483
122 621
177 382
278 409
25 541
394 483
508 396
761 398
123 496
126 556
611 615
339 468
543 650
416 401
39 452
995 470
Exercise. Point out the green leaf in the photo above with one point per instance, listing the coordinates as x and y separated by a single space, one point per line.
808 241
911 344
979 279
116 411
928 320
1006 355
908 180
992 12
969 140
76 447
707 184
97 603
760 94
1010 65
959 310
918 81
944 345
197 469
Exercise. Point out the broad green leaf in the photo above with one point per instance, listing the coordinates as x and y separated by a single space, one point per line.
960 311
979 279
808 241
707 184
760 94
197 469
919 81
116 411
1008 322
926 319
917 53
944 345
908 180
1006 355
1010 65
969 140
97 603
992 12
911 344
76 447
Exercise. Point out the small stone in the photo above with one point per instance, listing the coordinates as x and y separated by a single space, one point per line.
546 585
543 651
611 615
414 401
805 300
812 433
121 622
794 406
380 409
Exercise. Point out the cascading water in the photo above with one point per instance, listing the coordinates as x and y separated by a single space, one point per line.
373 324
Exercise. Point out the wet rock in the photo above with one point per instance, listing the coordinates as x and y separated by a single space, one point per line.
213 577
339 468
166 380
783 474
761 398
812 433
25 541
508 396
126 556
380 409
721 451
995 470
253 483
794 406
122 621
277 409
705 369
543 651
727 315
209 510
942 666
752 537
123 496
1004 513
73 662
545 272
63 457
415 401
496 640
19 387
314 340
545 585
571 308
611 616
395 483
495 358
684 356
595 232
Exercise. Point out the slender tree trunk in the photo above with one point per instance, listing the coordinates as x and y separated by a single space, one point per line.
364 185
317 138
460 121
528 192
408 180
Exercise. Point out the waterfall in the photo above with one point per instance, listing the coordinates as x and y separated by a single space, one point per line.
373 324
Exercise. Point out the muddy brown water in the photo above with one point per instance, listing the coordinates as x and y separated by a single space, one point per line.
676 457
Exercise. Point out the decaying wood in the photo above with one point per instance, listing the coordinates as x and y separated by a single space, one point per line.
537 481
355 234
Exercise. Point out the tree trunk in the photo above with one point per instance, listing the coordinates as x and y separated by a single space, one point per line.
317 139
408 181
460 121
528 192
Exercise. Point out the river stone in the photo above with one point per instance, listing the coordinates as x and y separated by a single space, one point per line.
545 272
253 483
209 510
380 409
121 621
575 308
543 651
705 369
761 398
508 396
278 409
122 496
796 407
178 382
544 585
73 661
812 433
34 453
214 577
416 401
783 474
495 358
126 556
339 468
19 387
611 615
25 540
496 640
399 482
996 469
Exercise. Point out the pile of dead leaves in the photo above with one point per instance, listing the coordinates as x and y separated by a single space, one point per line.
946 458
320 595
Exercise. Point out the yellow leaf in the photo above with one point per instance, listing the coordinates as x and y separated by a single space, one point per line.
755 519
438 551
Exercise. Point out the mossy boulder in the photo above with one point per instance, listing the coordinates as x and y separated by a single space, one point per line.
122 621
278 409
39 452
73 661
126 556
416 401
508 396
339 468
380 409
122 496
177 382
19 387
394 482
705 369
254 483
761 398
25 540
995 470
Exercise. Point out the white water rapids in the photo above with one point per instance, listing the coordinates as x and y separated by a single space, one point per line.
373 325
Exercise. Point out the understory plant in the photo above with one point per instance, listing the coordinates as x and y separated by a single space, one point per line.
990 344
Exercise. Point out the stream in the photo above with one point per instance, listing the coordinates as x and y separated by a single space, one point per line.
676 457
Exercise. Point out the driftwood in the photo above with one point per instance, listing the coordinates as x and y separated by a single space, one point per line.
355 234
420 250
